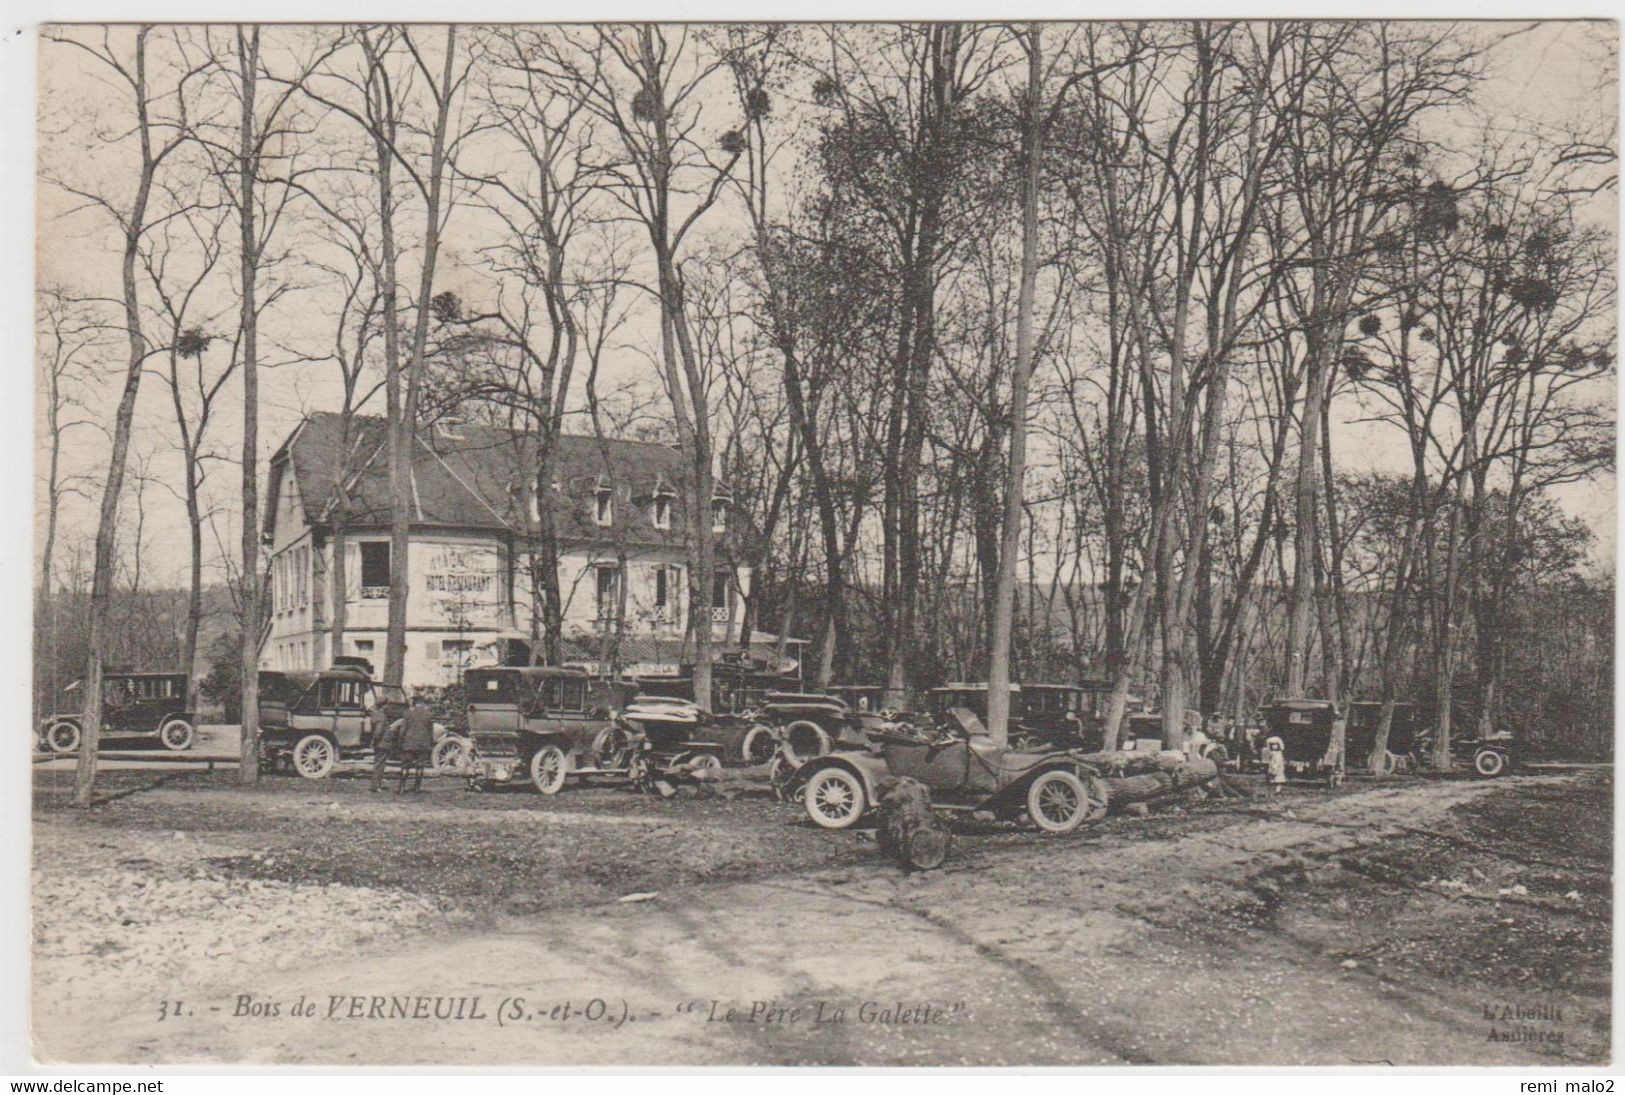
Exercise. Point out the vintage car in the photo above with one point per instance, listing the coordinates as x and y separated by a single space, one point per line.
1361 734
862 698
1142 732
1305 729
546 724
145 705
310 721
1491 756
810 724
1041 715
958 760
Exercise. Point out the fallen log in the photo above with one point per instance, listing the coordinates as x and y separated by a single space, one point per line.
1173 776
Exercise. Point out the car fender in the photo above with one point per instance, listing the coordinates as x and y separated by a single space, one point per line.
870 769
530 741
1015 792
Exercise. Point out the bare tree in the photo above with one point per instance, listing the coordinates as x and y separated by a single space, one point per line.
160 128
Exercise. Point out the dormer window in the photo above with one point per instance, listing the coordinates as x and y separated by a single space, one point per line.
719 515
662 511
603 507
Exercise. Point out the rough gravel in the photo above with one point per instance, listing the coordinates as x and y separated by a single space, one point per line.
1376 924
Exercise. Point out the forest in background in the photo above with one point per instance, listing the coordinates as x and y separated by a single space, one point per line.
1220 359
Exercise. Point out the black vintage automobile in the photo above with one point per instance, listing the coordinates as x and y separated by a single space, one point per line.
1041 715
811 724
1305 729
309 721
134 705
1364 718
730 722
1491 756
546 724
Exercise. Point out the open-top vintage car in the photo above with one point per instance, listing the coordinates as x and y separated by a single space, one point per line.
146 705
964 768
545 724
310 721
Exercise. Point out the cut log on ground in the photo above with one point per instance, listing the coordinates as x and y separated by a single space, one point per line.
1169 775
908 830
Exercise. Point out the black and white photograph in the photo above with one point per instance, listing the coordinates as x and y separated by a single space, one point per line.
866 544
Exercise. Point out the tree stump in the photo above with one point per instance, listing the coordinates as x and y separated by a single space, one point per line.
909 831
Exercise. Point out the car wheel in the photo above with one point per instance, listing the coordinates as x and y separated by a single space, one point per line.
759 745
805 739
1390 763
549 768
314 756
451 753
834 798
709 762
177 735
1489 763
62 737
610 746
1057 801
779 773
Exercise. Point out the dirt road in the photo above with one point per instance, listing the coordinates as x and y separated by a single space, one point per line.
1385 924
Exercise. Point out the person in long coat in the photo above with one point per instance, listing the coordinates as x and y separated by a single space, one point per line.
417 742
380 738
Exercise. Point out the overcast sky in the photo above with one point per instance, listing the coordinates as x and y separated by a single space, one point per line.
1555 74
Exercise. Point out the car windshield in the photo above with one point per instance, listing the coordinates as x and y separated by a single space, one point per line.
389 693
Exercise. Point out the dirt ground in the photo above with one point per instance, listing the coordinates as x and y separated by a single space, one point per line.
1418 921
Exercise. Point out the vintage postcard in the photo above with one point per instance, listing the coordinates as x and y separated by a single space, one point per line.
861 544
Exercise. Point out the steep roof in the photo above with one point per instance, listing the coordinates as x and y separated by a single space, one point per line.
480 477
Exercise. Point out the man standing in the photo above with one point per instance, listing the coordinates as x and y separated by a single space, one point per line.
417 742
379 735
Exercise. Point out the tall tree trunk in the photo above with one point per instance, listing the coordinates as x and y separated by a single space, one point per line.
998 675
1306 520
101 588
248 53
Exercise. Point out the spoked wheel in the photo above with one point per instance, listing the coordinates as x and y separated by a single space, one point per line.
805 740
610 746
1390 763
452 753
706 762
314 756
62 737
177 735
834 798
779 772
759 745
548 769
1489 763
1058 801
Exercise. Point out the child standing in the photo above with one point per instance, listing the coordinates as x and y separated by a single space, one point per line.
1275 762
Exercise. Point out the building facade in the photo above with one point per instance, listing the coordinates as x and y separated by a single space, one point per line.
472 565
